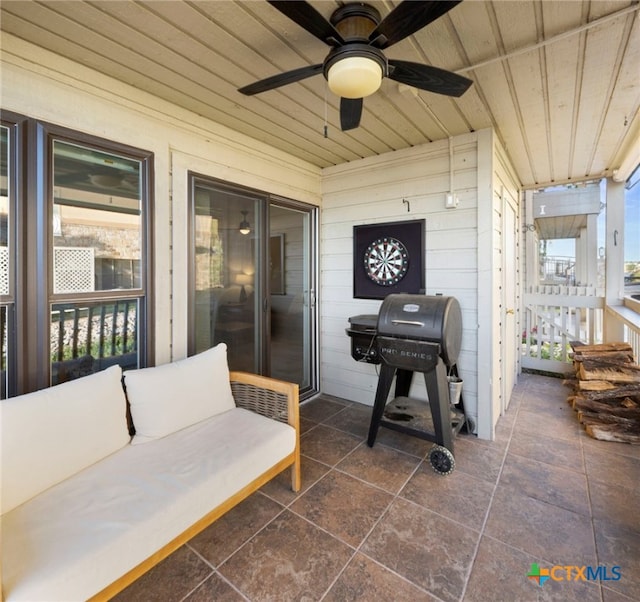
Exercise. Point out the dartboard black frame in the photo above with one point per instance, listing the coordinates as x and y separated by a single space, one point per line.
411 235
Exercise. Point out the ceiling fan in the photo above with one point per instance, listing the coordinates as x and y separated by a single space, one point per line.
356 64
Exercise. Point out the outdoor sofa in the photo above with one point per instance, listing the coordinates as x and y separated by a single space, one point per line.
87 508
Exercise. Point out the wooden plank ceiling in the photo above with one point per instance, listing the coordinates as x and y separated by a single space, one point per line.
558 80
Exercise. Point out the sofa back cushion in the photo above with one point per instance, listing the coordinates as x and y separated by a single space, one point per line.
51 434
168 398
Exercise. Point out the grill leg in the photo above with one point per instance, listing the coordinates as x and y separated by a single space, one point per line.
382 393
403 382
438 390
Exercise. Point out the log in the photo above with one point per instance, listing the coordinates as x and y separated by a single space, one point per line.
592 417
612 356
619 392
611 432
595 385
621 346
596 407
594 364
618 374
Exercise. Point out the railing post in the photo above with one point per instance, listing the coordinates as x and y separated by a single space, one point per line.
103 313
74 344
125 328
89 328
114 328
61 335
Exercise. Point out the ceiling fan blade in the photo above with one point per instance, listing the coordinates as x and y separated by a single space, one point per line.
407 18
282 79
350 113
428 78
310 19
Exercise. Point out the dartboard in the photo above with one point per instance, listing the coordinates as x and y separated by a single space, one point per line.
386 261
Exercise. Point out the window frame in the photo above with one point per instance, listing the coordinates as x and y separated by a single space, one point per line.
16 174
34 255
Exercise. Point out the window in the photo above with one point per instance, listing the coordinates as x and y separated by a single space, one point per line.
7 255
83 279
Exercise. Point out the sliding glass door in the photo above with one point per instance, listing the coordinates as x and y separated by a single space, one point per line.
292 295
251 280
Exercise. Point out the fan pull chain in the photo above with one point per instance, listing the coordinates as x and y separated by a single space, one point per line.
326 127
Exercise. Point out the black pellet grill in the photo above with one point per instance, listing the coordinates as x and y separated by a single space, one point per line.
414 333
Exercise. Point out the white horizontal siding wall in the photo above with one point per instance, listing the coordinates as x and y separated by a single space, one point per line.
372 191
42 85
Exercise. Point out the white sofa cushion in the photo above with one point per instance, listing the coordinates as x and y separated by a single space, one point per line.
83 534
167 398
51 434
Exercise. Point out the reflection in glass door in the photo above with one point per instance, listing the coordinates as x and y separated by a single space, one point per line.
226 304
291 295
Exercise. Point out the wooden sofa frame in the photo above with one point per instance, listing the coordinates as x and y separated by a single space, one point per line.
267 396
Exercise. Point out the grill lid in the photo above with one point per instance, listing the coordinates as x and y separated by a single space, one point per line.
436 319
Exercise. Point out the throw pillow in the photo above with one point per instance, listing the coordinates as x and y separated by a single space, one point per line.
168 398
51 434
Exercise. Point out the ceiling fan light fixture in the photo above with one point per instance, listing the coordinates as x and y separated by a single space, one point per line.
355 77
244 227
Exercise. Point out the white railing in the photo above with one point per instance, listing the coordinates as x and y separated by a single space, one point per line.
628 315
554 316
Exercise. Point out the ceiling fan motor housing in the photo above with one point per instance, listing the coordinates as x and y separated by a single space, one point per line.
355 22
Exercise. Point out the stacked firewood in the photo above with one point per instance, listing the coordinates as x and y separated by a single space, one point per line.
606 392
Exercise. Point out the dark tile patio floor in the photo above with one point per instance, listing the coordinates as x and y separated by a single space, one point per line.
379 524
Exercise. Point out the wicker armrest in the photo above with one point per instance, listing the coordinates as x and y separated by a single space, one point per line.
270 397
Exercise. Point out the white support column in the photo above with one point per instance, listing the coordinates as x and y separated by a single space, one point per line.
532 271
591 250
614 258
582 259
587 253
487 344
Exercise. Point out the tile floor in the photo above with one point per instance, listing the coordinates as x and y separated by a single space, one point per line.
379 524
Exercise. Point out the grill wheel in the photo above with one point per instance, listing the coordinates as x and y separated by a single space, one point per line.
442 460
